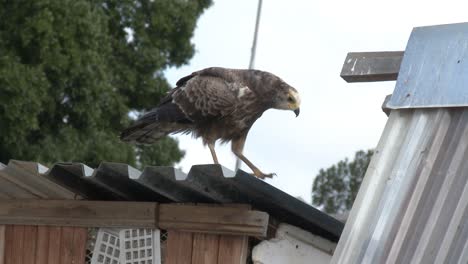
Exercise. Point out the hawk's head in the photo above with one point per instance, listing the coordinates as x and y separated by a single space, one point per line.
274 91
287 98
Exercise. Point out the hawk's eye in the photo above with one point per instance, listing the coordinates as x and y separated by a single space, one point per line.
290 99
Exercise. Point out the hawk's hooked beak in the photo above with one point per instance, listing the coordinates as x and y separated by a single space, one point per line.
294 101
297 111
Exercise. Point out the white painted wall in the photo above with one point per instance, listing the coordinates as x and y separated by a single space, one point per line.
293 245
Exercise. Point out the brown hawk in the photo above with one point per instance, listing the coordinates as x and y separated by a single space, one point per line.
216 104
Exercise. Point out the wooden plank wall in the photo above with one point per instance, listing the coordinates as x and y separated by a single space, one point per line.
2 244
26 244
196 248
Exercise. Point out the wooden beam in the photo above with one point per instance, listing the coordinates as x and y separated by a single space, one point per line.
372 66
215 220
212 219
78 213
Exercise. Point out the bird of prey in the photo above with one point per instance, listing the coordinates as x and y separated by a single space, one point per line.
216 104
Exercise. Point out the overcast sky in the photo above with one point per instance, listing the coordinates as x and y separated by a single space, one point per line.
305 43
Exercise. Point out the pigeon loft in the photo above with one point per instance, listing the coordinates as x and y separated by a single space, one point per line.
116 214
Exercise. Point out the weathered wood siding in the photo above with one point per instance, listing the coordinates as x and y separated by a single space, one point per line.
26 244
2 244
195 248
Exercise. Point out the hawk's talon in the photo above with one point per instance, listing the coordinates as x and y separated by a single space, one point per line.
262 175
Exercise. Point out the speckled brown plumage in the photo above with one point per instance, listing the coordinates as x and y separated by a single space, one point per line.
215 104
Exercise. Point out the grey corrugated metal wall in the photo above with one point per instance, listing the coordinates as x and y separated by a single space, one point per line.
412 205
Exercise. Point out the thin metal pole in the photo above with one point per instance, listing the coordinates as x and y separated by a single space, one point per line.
252 55
254 44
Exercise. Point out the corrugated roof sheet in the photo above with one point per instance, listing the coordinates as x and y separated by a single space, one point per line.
412 206
203 184
27 180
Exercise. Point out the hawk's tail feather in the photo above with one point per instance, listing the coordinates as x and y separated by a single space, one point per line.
156 124
143 133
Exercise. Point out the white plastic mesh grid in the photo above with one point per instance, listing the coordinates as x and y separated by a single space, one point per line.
140 246
127 246
107 247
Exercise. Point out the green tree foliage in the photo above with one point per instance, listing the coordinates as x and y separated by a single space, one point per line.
335 188
71 71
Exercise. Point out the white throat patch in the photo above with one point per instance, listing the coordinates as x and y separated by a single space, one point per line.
243 91
297 97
